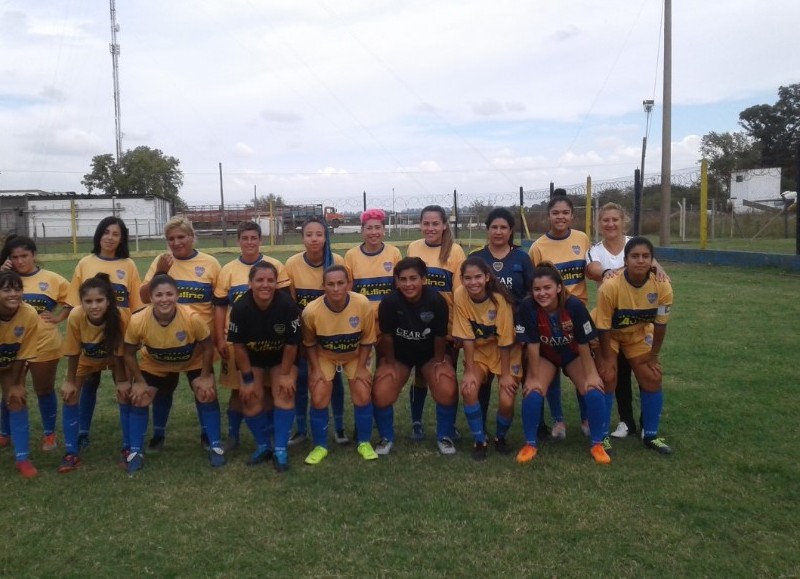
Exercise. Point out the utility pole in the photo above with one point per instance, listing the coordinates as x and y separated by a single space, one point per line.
666 130
114 48
647 105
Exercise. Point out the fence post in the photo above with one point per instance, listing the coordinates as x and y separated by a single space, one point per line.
588 206
797 190
44 238
521 215
552 189
455 213
637 201
73 222
222 210
365 200
136 229
703 204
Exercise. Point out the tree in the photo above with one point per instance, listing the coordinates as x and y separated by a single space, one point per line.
263 201
141 171
726 153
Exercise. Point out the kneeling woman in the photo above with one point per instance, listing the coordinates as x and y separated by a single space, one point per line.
413 324
95 330
632 314
265 332
484 320
557 329
173 340
339 332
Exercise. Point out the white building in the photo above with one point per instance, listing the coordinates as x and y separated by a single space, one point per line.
756 185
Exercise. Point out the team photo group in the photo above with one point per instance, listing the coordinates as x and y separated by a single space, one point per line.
278 342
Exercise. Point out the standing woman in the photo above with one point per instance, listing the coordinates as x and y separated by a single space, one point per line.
19 326
95 330
172 339
339 332
557 329
195 275
265 331
566 249
443 257
632 313
511 266
305 271
484 320
110 255
46 291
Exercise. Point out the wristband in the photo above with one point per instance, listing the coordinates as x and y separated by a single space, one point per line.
248 378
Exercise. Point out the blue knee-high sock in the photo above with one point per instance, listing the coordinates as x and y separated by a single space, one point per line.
162 405
48 408
652 404
581 406
211 422
416 397
138 416
337 404
531 416
88 401
554 399
235 423
597 416
475 421
283 427
70 416
319 426
363 419
503 424
384 419
201 418
270 426
609 400
5 429
125 422
20 431
445 420
258 426
301 397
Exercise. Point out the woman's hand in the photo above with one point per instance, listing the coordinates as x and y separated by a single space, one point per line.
508 384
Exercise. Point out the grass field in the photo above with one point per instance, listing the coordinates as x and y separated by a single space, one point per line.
725 504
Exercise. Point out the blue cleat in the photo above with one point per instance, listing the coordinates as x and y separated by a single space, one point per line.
216 456
280 460
261 455
135 462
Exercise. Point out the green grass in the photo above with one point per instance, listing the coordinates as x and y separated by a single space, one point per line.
725 504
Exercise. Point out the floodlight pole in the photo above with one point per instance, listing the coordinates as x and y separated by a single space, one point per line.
647 105
114 48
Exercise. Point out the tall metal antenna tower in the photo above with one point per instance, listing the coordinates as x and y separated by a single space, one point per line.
114 47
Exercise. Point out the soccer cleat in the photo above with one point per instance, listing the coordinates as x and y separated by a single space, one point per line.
480 451
607 446
657 444
384 447
49 442
26 468
135 462
527 453
317 455
417 431
456 435
230 444
123 458
446 446
5 440
559 431
83 441
156 444
280 460
204 441
501 446
367 452
341 437
585 428
69 463
297 438
216 457
621 431
544 431
260 456
599 454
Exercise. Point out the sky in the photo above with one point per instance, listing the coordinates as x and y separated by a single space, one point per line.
322 100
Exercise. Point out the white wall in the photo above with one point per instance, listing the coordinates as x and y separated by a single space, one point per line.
756 185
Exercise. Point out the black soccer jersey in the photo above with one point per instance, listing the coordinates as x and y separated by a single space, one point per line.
414 326
265 332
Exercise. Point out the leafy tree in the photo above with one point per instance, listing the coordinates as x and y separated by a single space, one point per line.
263 201
726 153
141 171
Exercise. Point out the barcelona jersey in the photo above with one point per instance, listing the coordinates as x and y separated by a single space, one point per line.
558 333
339 334
568 254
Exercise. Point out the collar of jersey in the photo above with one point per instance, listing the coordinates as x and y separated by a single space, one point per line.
34 272
346 303
98 256
194 254
478 301
630 281
309 264
432 245
365 252
259 258
569 232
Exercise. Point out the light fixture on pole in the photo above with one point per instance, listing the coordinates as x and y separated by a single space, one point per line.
648 105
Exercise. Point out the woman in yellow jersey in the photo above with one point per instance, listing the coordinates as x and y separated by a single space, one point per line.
195 274
110 255
95 330
232 284
484 321
339 333
47 292
305 272
628 306
19 328
172 339
443 257
566 249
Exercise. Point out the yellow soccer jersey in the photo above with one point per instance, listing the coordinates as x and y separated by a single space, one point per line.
45 290
306 278
124 279
170 348
85 339
19 335
339 334
233 283
196 277
568 254
445 278
373 273
622 307
484 322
